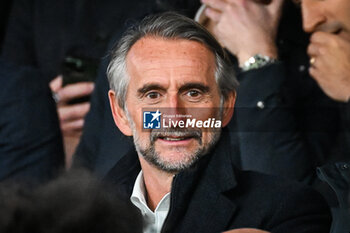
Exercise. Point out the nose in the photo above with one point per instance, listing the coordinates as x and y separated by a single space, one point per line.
174 106
174 101
313 15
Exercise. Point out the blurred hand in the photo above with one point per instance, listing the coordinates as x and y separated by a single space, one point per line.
71 117
246 230
245 27
330 55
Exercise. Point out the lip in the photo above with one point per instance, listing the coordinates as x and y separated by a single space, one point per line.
338 31
343 34
176 141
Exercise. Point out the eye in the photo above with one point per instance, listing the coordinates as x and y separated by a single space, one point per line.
193 93
153 95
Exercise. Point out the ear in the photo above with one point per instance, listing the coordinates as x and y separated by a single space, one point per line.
229 105
119 115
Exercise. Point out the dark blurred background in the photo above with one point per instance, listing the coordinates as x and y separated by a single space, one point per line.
5 8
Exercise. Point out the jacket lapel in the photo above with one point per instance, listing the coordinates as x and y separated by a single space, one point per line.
123 175
203 205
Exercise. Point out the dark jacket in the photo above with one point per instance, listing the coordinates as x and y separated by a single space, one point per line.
214 196
346 126
337 177
41 33
30 140
289 132
281 113
102 144
5 7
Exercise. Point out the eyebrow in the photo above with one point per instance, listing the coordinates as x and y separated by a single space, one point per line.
149 87
187 86
199 86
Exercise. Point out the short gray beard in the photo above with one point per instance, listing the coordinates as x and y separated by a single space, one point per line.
152 157
150 154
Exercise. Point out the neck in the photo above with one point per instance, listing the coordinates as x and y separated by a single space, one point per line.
157 183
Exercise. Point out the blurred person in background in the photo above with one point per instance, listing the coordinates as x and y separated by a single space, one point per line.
30 140
280 110
64 41
74 203
329 52
317 118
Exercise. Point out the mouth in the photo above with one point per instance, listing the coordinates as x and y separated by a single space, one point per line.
176 138
342 33
338 31
334 27
175 141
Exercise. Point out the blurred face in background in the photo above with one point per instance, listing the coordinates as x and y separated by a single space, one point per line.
331 16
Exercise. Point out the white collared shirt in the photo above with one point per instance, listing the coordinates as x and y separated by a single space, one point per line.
152 221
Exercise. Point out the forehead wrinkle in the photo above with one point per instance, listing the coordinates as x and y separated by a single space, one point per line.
149 49
164 58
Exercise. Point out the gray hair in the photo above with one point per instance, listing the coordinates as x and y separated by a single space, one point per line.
168 26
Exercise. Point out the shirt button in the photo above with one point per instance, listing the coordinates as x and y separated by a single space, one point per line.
260 104
301 68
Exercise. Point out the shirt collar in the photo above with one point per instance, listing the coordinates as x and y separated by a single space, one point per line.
138 196
139 192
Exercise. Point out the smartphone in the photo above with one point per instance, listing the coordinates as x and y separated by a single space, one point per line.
79 69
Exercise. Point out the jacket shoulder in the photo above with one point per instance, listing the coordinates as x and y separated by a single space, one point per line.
280 205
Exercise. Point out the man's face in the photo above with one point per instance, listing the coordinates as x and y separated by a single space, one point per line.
172 74
327 15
